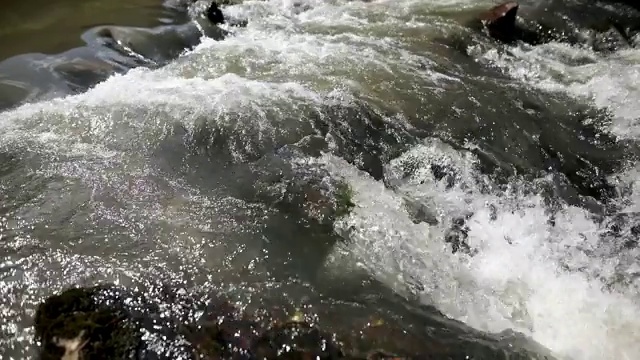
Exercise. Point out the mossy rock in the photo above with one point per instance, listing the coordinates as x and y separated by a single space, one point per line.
74 323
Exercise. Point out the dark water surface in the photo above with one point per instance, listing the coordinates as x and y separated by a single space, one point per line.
355 162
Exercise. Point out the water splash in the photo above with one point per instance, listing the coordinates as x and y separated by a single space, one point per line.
526 275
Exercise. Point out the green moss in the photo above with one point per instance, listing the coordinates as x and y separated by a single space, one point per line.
344 199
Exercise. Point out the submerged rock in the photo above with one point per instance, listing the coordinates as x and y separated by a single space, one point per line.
363 135
356 131
503 24
533 132
288 181
109 50
162 44
34 77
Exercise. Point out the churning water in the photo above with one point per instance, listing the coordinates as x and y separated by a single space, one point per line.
161 173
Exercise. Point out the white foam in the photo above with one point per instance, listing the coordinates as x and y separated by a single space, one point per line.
586 311
527 275
140 109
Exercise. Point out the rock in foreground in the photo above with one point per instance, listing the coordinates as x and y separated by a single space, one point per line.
111 323
593 26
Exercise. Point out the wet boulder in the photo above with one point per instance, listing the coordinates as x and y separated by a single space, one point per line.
109 50
359 133
533 132
82 74
109 322
537 133
289 177
289 181
363 135
74 325
500 21
35 77
214 14
156 46
592 25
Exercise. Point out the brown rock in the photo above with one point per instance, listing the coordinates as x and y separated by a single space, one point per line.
500 21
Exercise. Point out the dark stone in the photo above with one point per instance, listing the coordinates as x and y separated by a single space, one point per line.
156 46
419 212
98 331
106 322
561 21
457 235
214 14
500 21
359 133
611 39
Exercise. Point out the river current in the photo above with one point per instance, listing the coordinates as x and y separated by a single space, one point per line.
496 184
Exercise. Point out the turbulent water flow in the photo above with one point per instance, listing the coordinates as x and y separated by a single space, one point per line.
497 184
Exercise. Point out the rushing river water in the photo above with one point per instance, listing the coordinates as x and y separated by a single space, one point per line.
210 172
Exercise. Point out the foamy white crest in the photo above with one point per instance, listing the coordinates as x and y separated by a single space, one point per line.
303 46
408 6
141 108
608 81
527 274
314 59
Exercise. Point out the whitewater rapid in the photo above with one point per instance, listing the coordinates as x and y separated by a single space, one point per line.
550 282
567 286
